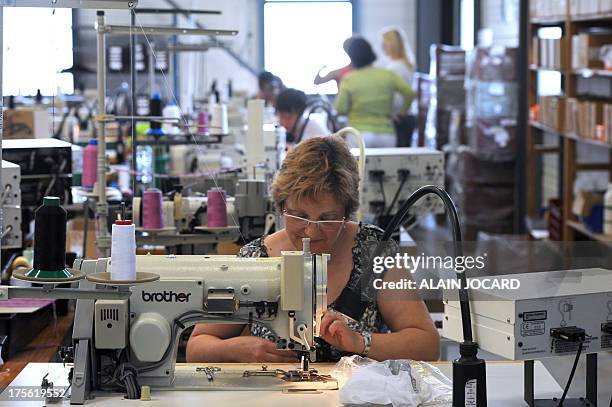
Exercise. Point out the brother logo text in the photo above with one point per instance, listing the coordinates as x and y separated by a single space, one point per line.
166 296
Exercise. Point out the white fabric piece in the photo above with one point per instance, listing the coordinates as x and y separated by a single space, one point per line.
400 383
378 383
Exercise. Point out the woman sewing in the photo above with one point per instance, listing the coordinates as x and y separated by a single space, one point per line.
317 191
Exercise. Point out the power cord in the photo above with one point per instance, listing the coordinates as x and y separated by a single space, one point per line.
397 193
571 376
382 191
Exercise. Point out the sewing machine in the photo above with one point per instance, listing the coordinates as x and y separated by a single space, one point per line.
287 294
250 208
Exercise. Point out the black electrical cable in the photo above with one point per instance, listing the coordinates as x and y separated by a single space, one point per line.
451 210
397 193
571 376
382 191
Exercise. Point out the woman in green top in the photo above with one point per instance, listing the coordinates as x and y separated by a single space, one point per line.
366 96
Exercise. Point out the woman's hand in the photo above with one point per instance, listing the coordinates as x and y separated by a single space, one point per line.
336 332
253 349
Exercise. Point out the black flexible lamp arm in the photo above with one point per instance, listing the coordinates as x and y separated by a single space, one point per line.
469 372
451 210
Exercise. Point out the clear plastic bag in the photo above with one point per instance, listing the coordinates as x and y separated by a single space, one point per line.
401 383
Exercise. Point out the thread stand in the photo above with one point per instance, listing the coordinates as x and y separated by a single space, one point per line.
215 229
105 279
72 275
163 230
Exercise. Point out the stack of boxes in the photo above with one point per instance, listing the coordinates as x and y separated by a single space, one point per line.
553 112
586 49
481 172
447 91
579 8
547 53
586 119
548 8
492 102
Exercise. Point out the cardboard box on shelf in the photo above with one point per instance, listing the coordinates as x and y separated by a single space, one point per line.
574 8
553 112
589 7
535 51
547 8
551 53
584 201
585 50
590 114
560 7
571 114
26 123
608 122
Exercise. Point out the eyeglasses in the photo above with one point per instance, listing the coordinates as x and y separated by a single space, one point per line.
296 222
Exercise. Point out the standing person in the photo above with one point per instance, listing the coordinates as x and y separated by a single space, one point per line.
401 61
401 58
366 96
336 75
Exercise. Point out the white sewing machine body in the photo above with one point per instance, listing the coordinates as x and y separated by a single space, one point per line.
287 294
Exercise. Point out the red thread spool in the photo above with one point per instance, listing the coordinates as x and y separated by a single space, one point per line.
152 214
90 164
217 209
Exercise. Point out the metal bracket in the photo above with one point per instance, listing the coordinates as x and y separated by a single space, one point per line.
81 383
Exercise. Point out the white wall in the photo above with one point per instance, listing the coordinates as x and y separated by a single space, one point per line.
378 14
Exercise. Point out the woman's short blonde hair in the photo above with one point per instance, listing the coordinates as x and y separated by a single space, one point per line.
316 166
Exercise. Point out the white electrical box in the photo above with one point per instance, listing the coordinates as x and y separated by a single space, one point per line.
275 142
389 169
11 205
518 324
11 178
111 324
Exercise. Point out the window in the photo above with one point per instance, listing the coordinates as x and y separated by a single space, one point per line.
301 37
467 24
34 58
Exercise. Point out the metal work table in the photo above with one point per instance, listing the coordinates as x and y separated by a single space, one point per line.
504 380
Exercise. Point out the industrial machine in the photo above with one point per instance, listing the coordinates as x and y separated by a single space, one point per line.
140 333
550 314
250 210
11 206
393 174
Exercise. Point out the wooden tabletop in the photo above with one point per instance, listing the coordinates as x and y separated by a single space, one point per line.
43 348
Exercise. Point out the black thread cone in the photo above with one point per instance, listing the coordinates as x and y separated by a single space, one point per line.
50 240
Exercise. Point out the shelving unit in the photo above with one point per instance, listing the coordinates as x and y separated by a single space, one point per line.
567 143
